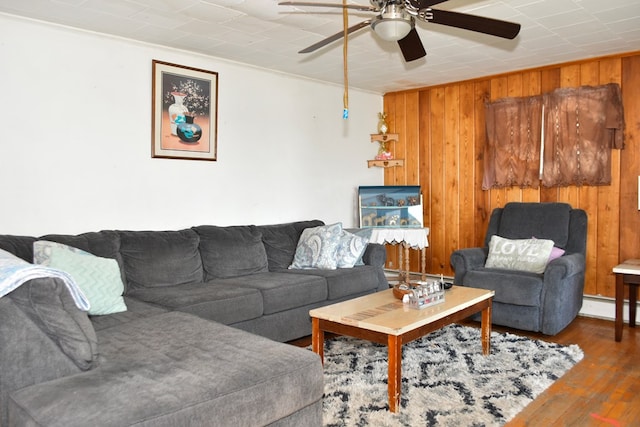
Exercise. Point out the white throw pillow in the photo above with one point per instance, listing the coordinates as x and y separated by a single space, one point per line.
520 254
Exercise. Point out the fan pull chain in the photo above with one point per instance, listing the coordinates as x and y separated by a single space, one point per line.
345 98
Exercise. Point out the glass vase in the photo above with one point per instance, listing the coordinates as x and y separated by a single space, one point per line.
189 131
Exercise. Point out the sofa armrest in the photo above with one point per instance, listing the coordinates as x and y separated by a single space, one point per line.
49 305
375 254
563 267
30 352
467 259
562 292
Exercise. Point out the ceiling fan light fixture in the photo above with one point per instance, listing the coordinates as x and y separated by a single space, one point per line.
392 30
393 24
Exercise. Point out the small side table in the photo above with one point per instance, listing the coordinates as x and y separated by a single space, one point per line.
409 238
627 273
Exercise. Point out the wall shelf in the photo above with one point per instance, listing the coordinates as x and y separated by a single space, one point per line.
384 139
379 137
385 163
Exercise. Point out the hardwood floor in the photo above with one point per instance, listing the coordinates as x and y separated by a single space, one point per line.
601 390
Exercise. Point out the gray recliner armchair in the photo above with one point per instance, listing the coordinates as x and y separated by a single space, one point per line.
541 302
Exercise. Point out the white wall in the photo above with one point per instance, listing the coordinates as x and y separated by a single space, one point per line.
75 143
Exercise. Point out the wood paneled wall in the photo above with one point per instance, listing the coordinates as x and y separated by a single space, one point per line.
442 138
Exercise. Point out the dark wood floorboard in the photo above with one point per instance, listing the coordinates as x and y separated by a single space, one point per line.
601 390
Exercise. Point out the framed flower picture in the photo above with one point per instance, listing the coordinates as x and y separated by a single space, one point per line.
184 112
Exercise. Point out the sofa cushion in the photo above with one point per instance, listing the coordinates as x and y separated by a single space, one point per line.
136 309
516 288
231 251
281 291
519 254
98 278
20 246
280 243
160 258
303 225
317 247
344 282
214 300
542 220
175 369
48 303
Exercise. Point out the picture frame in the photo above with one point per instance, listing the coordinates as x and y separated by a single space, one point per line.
184 112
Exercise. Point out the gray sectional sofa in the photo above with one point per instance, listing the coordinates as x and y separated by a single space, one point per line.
202 340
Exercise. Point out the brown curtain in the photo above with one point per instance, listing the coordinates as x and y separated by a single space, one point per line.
512 153
582 125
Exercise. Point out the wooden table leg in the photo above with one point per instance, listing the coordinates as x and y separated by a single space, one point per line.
317 338
406 261
633 300
395 372
486 330
402 276
619 305
423 264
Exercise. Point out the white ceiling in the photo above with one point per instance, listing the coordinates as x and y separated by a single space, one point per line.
263 34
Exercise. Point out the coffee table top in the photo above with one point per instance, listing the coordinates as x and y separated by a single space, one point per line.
382 312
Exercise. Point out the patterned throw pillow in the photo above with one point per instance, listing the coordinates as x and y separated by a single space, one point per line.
362 232
521 254
317 247
350 249
98 278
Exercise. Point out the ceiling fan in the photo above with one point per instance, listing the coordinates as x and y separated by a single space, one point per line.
396 22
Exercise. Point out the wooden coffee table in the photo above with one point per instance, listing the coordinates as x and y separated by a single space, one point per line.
383 319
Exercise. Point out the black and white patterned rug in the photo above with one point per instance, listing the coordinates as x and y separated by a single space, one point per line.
446 381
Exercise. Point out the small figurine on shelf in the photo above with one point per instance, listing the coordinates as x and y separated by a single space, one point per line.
383 155
383 151
385 200
383 128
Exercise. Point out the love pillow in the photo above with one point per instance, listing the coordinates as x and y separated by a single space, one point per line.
520 254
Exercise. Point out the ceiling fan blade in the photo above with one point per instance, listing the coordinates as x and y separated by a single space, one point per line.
411 46
341 6
336 36
480 24
424 4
